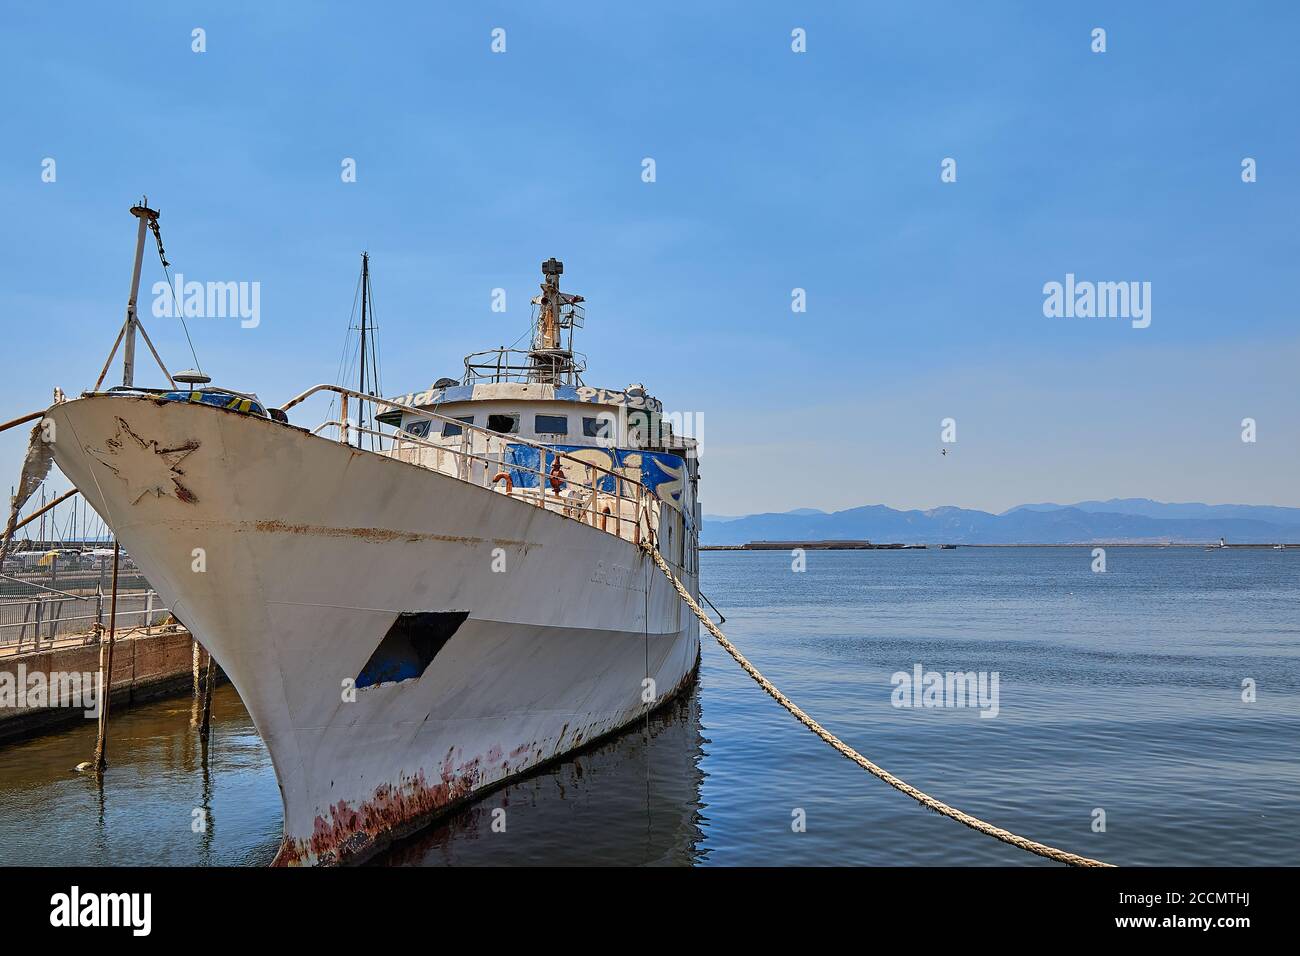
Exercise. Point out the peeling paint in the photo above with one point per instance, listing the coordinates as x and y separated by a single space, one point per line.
142 465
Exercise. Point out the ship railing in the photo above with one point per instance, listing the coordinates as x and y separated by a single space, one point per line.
518 365
630 516
497 365
631 507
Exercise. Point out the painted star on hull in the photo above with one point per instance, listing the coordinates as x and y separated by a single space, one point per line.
143 466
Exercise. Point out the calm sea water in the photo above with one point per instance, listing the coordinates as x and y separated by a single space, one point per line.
1118 692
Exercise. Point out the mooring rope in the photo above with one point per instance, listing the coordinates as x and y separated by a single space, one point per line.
938 806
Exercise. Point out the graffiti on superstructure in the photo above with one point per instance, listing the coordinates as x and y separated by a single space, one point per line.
662 473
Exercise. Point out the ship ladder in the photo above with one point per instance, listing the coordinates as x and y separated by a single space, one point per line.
938 806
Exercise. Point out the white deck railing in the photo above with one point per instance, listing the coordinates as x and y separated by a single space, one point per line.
624 507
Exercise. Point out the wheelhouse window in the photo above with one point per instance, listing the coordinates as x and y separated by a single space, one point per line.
551 424
418 429
640 428
505 424
595 427
448 429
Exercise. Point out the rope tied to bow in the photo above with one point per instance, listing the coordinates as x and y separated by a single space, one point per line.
932 803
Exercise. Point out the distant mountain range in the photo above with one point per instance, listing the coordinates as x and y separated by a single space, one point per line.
1119 520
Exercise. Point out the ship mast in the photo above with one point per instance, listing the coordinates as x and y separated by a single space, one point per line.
552 363
148 221
146 217
365 294
368 354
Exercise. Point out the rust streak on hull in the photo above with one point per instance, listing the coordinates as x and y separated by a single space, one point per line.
363 534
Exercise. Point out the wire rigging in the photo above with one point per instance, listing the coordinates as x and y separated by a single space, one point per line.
345 362
176 293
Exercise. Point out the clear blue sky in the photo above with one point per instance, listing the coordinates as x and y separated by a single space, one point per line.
775 170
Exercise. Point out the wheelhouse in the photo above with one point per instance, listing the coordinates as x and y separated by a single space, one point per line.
536 400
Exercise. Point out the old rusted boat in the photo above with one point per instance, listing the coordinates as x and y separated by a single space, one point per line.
418 603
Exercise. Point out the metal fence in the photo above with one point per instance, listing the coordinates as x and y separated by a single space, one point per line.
44 604
63 575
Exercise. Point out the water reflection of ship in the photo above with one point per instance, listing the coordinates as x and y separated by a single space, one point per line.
633 800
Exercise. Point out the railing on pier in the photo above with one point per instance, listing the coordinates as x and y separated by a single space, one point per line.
44 619
601 497
66 574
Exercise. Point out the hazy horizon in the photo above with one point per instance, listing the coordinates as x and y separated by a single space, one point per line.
1023 504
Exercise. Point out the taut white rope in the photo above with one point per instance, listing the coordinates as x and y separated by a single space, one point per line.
938 806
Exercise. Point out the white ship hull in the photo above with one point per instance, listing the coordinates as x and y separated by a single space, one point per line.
290 556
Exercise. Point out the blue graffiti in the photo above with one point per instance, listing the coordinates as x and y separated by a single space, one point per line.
660 472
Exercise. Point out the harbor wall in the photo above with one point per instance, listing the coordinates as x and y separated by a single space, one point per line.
146 666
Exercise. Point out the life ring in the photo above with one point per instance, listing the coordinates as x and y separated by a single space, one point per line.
501 475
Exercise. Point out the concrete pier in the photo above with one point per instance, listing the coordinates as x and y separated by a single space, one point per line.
146 665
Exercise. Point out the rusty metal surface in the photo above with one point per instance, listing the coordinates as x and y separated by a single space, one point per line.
354 832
